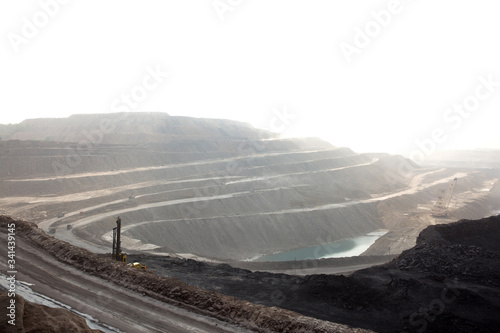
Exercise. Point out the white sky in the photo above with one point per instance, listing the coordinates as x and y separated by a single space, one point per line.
266 55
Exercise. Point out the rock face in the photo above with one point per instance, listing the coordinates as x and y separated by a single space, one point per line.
31 317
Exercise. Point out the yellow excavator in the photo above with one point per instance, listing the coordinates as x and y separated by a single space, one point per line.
138 265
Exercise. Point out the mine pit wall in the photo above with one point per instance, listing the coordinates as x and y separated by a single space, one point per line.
263 233
477 209
356 183
250 166
407 215
70 163
244 237
471 204
474 210
203 233
30 159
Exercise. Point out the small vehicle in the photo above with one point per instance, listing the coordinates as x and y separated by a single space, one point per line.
138 265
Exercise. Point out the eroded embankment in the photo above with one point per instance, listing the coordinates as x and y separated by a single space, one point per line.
32 317
171 290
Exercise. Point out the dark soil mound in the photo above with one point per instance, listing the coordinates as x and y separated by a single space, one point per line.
484 233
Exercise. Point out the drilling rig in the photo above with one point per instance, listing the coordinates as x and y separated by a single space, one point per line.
440 209
117 251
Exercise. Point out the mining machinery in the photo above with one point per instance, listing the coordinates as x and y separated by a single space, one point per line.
117 251
138 265
440 209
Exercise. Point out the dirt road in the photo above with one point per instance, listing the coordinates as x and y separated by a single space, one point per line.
117 308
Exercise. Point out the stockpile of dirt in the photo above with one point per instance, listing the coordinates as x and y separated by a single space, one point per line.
483 233
468 252
171 290
31 317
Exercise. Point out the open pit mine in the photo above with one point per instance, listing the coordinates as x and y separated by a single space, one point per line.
223 192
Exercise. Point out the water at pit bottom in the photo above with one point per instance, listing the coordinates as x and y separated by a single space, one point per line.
343 248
